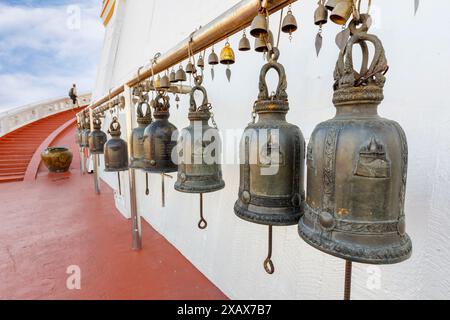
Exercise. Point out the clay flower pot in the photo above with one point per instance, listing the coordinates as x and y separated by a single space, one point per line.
57 159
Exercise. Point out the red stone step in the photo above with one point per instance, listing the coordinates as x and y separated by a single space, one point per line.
12 178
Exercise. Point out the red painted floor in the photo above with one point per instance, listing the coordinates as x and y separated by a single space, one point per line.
58 221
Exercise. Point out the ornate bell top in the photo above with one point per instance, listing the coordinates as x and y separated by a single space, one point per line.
97 123
201 113
278 101
144 119
366 86
114 128
161 106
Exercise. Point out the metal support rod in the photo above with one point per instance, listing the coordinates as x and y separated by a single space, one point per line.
268 264
202 223
96 184
228 23
348 280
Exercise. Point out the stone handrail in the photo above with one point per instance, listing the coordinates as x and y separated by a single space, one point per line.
15 118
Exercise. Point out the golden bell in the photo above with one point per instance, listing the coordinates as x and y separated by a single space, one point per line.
213 59
289 23
172 76
259 26
157 83
227 55
342 12
180 75
261 44
164 82
331 4
244 44
321 15
190 68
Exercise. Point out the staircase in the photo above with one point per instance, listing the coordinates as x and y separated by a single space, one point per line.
17 148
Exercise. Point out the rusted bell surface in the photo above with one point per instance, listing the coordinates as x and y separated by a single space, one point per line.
227 55
116 150
289 23
85 133
144 118
342 12
199 169
244 44
259 26
261 43
320 15
271 190
97 138
160 138
357 167
180 76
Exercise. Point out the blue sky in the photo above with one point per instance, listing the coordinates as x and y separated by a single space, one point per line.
45 46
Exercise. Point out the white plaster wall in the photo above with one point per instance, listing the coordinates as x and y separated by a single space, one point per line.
230 252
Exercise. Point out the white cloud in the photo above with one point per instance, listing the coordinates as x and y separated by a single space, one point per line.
41 56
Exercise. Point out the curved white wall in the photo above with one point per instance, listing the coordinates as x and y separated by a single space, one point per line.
230 252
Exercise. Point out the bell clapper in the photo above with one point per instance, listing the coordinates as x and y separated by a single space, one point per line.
348 280
147 190
118 178
202 223
163 191
268 264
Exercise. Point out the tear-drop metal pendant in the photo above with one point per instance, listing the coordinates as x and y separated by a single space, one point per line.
319 40
228 73
342 38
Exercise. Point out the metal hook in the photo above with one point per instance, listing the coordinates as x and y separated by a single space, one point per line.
202 223
268 264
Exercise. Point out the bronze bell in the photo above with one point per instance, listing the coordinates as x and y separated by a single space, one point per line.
289 23
116 150
199 169
271 190
172 76
227 55
357 167
190 68
259 26
331 4
342 12
320 15
213 59
157 82
137 136
261 43
201 62
244 43
85 133
159 139
164 82
180 75
97 138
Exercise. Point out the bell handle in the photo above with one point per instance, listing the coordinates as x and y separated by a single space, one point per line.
139 111
164 98
193 104
113 129
280 94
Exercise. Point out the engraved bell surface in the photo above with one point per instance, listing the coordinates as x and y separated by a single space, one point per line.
357 167
160 138
271 190
137 135
97 138
116 150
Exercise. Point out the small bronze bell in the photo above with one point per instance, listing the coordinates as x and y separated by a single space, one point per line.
331 4
116 150
244 43
213 59
289 23
172 76
357 166
97 138
180 75
137 136
201 62
199 171
320 15
164 82
159 140
227 55
259 26
271 190
157 82
342 12
85 133
190 68
261 45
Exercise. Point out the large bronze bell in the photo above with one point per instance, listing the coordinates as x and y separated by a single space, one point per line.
160 139
144 118
259 26
97 138
116 150
357 167
199 169
271 190
85 133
